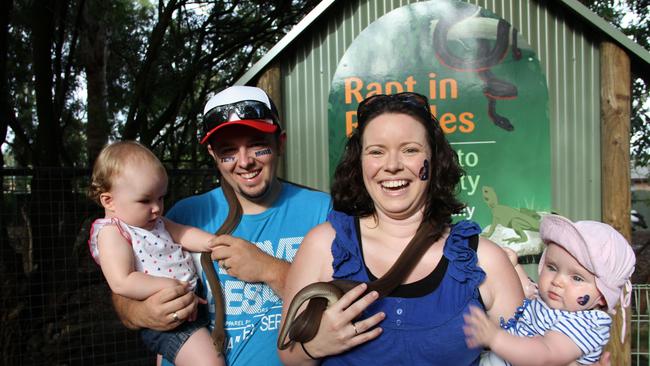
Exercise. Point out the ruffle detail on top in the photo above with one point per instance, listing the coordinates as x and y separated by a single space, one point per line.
463 261
96 226
345 248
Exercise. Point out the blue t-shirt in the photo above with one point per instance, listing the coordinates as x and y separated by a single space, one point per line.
253 310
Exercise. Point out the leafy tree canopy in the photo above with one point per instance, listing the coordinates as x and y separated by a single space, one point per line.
78 73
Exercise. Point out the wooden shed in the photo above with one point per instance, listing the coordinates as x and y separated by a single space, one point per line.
533 95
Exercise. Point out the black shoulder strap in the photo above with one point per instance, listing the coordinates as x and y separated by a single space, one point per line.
473 242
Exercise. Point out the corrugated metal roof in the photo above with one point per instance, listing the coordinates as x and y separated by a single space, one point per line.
640 57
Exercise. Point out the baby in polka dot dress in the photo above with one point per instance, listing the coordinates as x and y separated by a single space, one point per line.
139 251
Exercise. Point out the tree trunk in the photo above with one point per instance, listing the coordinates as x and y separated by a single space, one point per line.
94 55
136 117
46 152
50 186
5 107
615 105
10 260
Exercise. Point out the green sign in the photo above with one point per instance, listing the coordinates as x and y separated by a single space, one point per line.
488 91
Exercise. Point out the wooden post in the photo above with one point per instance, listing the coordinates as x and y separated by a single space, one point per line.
615 91
271 83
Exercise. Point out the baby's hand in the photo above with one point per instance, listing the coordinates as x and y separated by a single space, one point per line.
195 313
479 329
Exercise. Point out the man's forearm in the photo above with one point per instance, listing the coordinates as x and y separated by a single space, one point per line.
125 309
276 275
162 311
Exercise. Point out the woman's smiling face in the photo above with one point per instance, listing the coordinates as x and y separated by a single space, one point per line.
394 150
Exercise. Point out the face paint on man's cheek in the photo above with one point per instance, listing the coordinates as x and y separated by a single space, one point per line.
583 300
263 152
424 171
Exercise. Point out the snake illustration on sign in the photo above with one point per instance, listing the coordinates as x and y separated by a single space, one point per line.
481 63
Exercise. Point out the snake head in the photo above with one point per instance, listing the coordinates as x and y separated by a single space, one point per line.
303 327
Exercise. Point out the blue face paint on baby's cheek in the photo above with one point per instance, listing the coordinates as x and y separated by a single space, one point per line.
583 300
263 152
424 171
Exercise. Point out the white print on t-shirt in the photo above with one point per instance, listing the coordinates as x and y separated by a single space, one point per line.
251 307
253 298
287 248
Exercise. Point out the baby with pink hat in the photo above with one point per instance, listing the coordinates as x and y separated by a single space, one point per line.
582 276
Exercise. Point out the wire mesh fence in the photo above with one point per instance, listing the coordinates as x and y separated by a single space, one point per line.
640 339
56 306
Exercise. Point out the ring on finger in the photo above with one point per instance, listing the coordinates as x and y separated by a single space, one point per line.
356 332
175 316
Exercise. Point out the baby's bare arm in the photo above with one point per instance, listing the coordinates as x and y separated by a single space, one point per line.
191 238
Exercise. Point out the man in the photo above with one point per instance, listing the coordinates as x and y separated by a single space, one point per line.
243 136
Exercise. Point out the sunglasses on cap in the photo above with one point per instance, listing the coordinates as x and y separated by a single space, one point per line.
249 112
368 106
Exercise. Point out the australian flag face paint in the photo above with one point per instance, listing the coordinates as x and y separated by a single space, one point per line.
583 300
258 153
263 152
424 171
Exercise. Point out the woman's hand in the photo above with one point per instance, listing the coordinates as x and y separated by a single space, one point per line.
338 330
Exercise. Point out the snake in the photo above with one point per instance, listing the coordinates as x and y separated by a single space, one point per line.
218 333
303 327
486 57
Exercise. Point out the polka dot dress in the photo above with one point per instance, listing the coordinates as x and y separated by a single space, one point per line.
155 252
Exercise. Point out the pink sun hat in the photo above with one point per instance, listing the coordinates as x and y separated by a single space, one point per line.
599 248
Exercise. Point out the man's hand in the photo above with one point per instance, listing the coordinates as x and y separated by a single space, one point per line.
157 311
244 260
240 258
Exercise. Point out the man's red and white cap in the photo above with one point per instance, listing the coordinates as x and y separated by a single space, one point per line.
239 105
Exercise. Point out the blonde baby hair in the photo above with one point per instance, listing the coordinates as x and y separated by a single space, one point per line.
112 160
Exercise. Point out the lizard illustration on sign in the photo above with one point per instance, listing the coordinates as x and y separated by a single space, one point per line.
517 219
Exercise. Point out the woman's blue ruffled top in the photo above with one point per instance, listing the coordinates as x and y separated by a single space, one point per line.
421 329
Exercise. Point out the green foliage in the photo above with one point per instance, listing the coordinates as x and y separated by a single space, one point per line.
155 91
163 59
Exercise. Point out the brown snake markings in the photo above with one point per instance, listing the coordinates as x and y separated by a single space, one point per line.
228 226
303 328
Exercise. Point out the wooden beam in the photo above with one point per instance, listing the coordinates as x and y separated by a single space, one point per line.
271 82
615 94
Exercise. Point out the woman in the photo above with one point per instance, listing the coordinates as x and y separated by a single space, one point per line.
398 172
